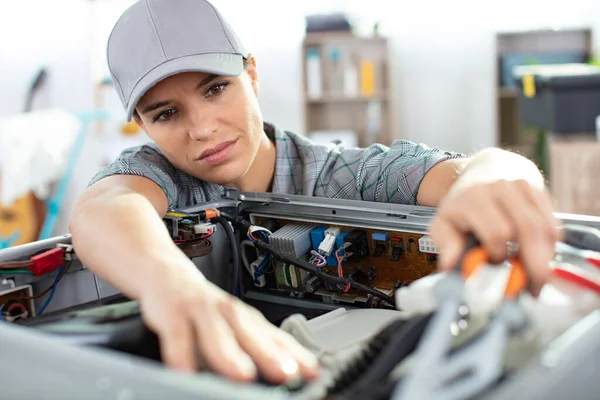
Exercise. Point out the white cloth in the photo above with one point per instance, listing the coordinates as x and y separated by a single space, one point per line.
34 151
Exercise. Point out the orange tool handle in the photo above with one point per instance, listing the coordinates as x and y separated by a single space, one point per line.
517 280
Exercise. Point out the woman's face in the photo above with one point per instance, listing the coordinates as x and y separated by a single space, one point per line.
206 125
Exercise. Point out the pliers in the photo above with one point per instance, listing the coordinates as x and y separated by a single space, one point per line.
439 373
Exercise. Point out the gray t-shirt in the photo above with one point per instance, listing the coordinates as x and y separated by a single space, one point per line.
376 173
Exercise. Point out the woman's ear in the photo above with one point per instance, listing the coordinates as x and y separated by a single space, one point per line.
252 73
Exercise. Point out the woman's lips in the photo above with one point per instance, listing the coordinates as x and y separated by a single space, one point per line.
219 153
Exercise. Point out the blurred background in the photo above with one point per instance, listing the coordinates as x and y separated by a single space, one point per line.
461 75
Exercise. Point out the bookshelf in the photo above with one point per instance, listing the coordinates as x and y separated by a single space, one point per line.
346 87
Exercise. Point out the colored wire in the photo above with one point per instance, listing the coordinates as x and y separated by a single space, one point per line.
16 264
208 234
275 252
324 276
260 269
340 268
62 272
15 271
320 260
54 285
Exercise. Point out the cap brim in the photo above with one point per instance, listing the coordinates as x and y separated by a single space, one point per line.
214 63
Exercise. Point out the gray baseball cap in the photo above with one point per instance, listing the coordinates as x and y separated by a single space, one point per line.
155 39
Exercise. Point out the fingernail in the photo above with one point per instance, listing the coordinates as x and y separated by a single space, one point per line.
247 367
289 366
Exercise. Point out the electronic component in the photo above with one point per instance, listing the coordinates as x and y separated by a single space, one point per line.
289 277
359 245
17 303
397 251
371 273
316 237
260 281
426 245
293 239
409 246
356 274
326 246
394 263
380 236
378 250
380 240
312 283
205 228
189 226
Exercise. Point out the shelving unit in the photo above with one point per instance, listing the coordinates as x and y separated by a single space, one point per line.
542 46
347 88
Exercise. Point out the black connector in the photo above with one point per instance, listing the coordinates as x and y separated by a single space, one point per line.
371 273
312 283
378 250
396 252
359 245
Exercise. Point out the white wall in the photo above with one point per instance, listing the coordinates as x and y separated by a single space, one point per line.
442 59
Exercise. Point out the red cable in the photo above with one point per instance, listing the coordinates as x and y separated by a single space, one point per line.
577 279
594 261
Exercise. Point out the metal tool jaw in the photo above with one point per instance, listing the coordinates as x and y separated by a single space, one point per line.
442 373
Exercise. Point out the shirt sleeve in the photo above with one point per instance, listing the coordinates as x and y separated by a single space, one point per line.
379 173
148 162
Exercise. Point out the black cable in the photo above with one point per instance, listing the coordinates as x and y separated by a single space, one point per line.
235 253
383 353
306 265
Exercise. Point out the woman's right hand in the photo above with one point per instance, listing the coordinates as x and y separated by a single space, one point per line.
193 316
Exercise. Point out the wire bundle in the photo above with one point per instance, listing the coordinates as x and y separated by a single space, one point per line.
265 233
340 256
16 267
318 259
290 259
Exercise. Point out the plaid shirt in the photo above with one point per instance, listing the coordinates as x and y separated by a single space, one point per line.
376 173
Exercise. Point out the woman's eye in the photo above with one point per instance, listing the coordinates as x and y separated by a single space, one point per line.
165 115
217 89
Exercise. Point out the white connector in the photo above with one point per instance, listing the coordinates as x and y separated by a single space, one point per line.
203 229
261 281
326 246
426 245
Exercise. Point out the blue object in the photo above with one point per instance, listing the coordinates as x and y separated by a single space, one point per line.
260 269
382 236
54 203
6 242
339 240
316 237
54 285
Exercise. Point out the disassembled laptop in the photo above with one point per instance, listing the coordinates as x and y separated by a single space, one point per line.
355 282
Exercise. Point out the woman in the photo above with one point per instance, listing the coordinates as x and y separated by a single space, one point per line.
184 77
